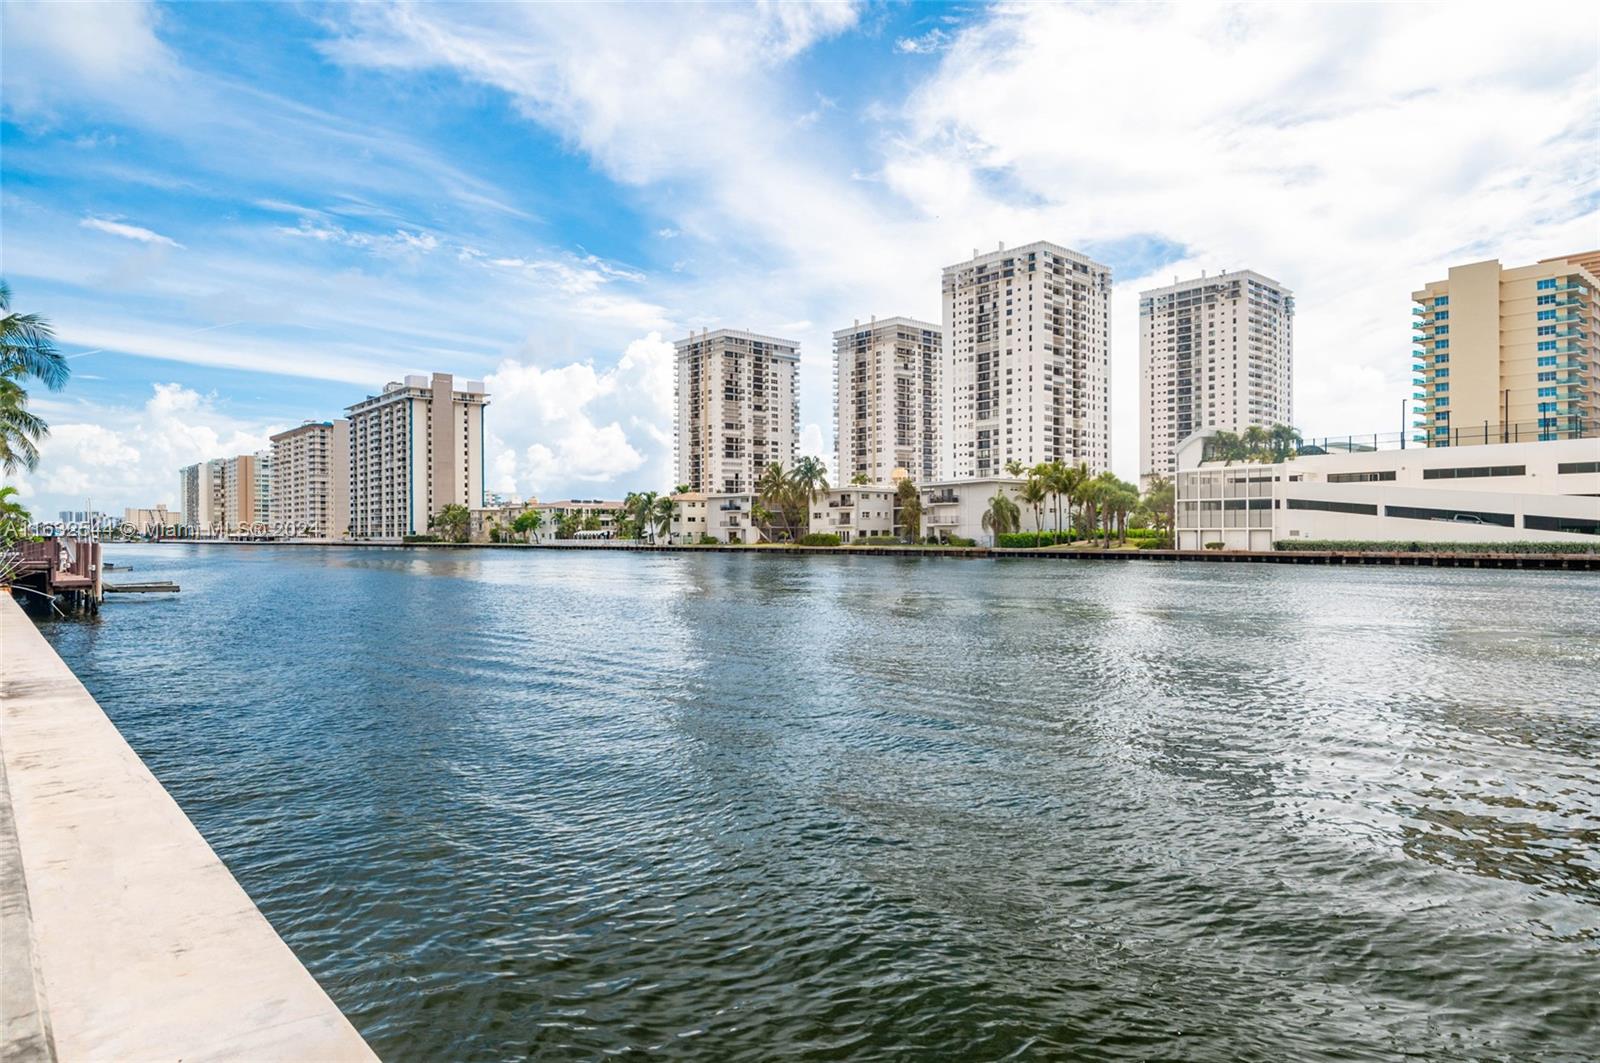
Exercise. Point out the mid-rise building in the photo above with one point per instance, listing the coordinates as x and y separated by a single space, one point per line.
955 508
854 512
737 408
154 520
311 480
1547 491
200 495
1027 366
1508 354
886 399
1217 352
414 449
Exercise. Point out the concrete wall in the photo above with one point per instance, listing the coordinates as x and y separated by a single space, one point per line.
143 945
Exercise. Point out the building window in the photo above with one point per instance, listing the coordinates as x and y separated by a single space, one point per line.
1547 345
1548 360
1546 330
1545 300
1578 466
1360 477
1441 374
1363 508
1546 284
1474 471
1571 525
1441 300
1458 516
1440 345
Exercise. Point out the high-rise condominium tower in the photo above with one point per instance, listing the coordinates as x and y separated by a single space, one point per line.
1507 355
738 405
200 494
886 400
246 491
1027 366
311 480
1217 352
415 449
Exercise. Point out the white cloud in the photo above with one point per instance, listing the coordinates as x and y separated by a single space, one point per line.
128 232
557 429
117 457
105 51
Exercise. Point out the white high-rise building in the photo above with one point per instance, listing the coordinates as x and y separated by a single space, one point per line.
1216 352
738 407
1027 366
886 400
311 480
415 449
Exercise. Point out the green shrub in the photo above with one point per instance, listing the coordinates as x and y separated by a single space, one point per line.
1154 542
1213 546
1028 540
421 539
818 539
959 540
1414 546
494 535
878 540
710 540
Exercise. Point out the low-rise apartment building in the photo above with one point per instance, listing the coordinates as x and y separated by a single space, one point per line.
690 518
854 512
956 507
1546 491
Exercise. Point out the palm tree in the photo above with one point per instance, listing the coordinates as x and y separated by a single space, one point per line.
1226 447
909 501
1033 494
1001 518
811 475
642 514
860 479
454 521
27 349
1161 500
528 523
1066 481
1283 441
1257 444
1015 467
775 490
662 517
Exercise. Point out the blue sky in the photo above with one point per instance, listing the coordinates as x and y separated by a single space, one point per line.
240 216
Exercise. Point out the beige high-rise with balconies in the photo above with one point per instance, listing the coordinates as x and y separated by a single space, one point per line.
1507 355
246 492
886 400
415 449
1027 365
738 407
1217 352
311 480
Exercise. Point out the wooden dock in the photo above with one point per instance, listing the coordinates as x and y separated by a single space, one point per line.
64 571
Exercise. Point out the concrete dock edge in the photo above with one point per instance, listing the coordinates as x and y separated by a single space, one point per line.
125 937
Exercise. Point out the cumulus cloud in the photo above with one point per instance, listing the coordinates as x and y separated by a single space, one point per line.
557 429
118 457
128 232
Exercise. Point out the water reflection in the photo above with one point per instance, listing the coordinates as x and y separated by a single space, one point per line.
509 804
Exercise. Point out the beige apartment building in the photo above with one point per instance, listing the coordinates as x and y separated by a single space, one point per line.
886 399
1507 355
1027 366
737 408
414 449
311 480
1216 352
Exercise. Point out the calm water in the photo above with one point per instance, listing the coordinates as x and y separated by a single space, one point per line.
512 806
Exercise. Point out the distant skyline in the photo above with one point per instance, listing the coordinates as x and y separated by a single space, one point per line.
239 217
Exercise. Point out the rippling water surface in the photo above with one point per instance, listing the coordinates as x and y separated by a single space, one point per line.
514 805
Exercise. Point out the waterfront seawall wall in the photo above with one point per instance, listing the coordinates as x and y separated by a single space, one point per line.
125 936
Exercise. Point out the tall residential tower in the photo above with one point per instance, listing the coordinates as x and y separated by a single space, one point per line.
1508 354
886 400
1217 352
738 406
1027 366
415 449
311 480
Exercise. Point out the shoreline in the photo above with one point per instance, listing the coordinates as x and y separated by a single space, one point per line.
1574 562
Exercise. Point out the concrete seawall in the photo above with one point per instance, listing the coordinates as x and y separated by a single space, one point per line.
124 937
